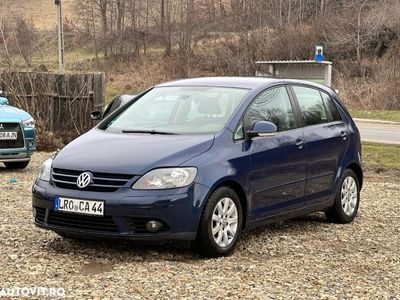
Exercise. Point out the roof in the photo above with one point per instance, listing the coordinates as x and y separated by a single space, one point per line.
239 82
235 82
294 62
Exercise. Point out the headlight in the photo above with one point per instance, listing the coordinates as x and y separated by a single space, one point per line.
45 170
167 178
29 123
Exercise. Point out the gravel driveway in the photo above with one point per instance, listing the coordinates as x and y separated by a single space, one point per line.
303 258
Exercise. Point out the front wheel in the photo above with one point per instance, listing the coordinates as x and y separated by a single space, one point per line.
347 199
221 223
16 165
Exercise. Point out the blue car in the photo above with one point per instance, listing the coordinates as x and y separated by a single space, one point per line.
203 159
17 136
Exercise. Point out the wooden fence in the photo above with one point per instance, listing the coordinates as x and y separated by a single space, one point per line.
60 103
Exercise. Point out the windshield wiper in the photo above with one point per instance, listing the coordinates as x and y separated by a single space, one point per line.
148 132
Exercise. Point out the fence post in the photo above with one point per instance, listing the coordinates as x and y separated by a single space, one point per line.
98 91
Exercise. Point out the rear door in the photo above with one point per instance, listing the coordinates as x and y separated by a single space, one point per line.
326 137
278 163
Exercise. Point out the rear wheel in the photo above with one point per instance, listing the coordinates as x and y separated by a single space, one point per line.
16 165
221 223
347 199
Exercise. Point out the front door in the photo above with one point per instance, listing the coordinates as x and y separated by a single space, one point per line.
278 163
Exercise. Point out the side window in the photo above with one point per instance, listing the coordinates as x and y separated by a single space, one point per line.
333 113
239 134
272 105
312 107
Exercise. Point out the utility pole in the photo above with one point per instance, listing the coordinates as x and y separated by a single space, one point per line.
60 27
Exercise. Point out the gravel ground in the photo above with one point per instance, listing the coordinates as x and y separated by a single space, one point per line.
303 258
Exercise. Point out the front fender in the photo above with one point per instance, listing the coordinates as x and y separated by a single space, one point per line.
226 163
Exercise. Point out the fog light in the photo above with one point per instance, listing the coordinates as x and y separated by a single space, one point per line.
34 212
153 226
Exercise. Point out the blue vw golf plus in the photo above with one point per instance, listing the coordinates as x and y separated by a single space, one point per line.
202 159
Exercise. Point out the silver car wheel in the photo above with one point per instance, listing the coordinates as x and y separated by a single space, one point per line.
224 223
349 195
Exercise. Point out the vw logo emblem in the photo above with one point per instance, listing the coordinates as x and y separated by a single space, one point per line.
84 180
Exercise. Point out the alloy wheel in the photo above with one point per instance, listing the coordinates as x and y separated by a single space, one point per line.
224 224
349 195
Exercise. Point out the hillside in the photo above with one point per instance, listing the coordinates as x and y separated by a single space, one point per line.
41 12
140 43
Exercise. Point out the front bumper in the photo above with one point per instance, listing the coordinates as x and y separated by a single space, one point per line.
14 157
124 213
21 154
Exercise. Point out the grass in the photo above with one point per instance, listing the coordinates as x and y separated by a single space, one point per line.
42 12
384 156
112 91
387 115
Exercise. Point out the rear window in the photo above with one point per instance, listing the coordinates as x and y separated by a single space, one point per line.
333 113
316 107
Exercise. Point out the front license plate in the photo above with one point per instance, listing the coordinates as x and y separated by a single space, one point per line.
8 136
78 206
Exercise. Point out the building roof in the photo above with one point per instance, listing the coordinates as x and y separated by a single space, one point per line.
293 62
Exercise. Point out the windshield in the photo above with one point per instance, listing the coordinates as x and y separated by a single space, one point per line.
179 110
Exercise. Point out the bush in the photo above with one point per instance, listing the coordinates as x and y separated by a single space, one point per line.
370 85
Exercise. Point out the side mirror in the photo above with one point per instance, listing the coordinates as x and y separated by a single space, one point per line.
96 115
262 129
4 101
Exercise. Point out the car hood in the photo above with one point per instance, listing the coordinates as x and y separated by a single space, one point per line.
135 154
12 114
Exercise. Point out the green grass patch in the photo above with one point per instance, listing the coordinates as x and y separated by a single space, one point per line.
378 155
387 115
112 92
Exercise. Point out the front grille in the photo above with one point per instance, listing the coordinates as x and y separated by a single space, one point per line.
75 221
94 223
102 182
18 143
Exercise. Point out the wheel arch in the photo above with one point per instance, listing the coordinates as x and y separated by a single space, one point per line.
239 190
359 172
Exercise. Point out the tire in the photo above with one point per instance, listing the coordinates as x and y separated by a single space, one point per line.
16 165
346 204
227 229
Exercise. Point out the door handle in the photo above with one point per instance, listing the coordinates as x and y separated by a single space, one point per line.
300 143
344 135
